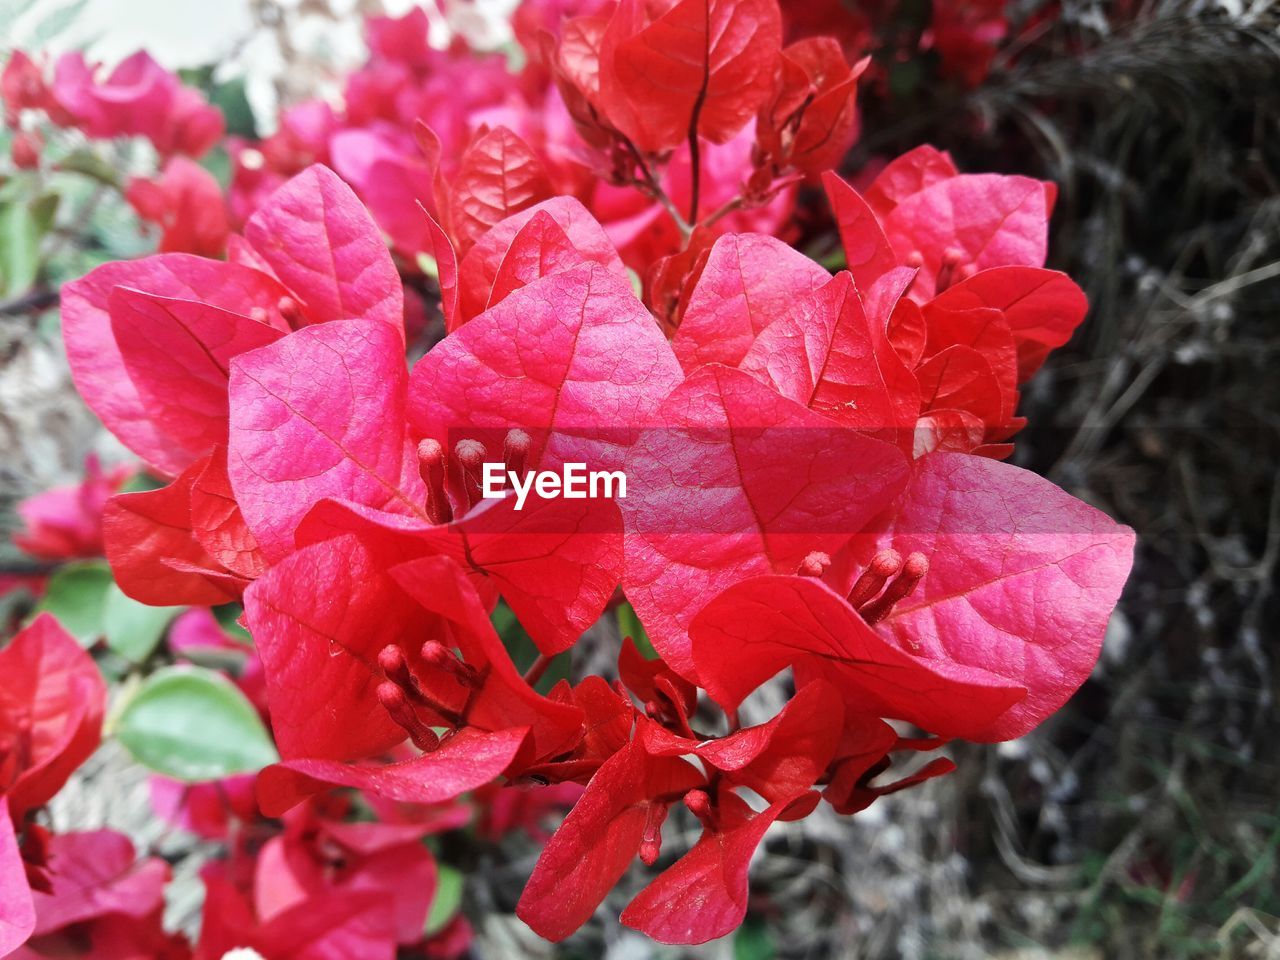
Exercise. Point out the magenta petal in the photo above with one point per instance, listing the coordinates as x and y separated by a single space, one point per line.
319 239
463 762
320 414
17 913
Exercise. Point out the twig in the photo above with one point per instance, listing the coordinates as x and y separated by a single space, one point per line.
32 302
537 669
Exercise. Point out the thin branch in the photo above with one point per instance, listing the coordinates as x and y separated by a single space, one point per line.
32 302
651 186
538 668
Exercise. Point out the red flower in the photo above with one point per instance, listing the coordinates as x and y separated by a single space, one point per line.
937 615
810 119
65 523
51 707
26 149
700 68
138 98
101 902
150 343
186 203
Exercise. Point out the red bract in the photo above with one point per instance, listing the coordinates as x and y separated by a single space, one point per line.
980 313
330 926
151 344
23 87
826 353
745 283
738 482
51 707
138 98
319 241
949 226
811 117
186 203
373 691
703 895
600 370
316 856
801 494
66 522
101 902
478 271
961 641
499 175
339 433
701 68
17 913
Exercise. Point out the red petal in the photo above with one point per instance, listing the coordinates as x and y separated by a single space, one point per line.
826 354
320 618
155 556
758 627
703 895
1042 307
320 414
1021 583
53 683
990 220
574 359
177 352
17 913
907 175
599 839
319 239
866 248
704 66
498 175
749 280
94 874
219 525
740 482
539 249
96 363
465 761
479 268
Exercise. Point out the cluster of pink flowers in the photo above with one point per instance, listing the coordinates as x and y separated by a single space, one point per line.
813 469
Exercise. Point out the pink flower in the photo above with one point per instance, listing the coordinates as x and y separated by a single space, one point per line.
65 523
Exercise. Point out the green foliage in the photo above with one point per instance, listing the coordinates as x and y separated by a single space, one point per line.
77 596
23 225
522 650
753 942
133 629
448 898
630 626
193 725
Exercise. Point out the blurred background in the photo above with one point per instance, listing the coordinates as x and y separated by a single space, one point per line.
1144 819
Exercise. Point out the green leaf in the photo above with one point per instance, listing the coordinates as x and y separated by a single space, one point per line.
77 596
193 725
55 23
133 629
753 942
524 652
22 227
428 265
141 482
228 617
233 100
447 899
90 163
630 626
